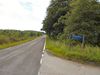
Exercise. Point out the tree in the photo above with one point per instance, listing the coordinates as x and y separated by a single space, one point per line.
83 19
52 24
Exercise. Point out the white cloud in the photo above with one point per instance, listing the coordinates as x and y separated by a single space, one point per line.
22 14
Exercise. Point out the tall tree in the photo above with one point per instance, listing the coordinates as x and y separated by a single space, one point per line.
52 25
84 19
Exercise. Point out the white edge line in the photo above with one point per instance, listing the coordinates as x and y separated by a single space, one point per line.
41 61
42 54
39 73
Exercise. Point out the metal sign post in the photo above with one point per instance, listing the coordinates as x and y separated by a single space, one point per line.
79 38
83 42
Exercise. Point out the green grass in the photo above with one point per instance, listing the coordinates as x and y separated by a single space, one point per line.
87 55
10 44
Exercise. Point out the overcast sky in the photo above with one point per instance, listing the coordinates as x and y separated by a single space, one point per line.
22 14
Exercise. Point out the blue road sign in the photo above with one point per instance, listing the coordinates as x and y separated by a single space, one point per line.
77 37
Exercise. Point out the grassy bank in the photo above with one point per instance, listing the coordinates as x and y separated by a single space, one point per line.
86 55
9 38
10 44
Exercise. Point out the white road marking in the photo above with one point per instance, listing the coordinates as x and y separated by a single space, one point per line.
42 55
38 73
41 61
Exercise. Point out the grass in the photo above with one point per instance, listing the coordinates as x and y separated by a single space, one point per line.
87 55
10 44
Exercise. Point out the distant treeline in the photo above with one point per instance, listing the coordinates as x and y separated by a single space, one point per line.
73 17
7 36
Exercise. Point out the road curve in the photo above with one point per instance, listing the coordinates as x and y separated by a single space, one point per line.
52 65
23 59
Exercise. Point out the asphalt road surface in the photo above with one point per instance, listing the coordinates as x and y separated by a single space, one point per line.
23 59
52 65
31 59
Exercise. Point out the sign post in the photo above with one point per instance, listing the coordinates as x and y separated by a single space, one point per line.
83 42
79 38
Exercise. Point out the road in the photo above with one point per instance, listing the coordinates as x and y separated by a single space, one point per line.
31 59
23 59
52 65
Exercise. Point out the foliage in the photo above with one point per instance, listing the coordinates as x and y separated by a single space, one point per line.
53 23
83 19
79 17
10 44
10 36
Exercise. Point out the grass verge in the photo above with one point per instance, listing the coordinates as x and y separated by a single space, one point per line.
89 54
11 44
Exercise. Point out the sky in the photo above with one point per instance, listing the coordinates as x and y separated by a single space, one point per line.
22 14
